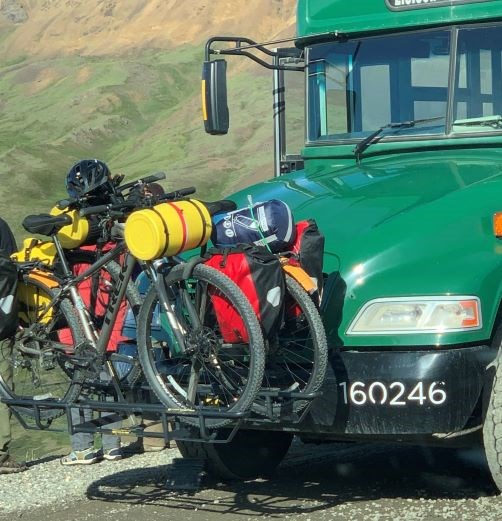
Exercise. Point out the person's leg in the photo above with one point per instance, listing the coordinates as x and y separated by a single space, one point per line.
5 433
82 443
7 464
152 444
111 442
81 440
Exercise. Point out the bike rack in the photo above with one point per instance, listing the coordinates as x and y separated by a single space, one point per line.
287 414
173 420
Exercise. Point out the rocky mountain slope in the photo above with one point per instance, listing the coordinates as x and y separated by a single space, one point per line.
120 80
97 27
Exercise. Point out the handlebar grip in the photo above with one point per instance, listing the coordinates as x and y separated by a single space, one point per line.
90 210
186 191
158 176
177 194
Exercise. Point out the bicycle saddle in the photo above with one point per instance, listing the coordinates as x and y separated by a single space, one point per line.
45 224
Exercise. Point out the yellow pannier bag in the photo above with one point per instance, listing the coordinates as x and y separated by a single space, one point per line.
33 300
75 234
36 250
167 229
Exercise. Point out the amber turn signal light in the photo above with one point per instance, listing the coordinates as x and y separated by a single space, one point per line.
497 224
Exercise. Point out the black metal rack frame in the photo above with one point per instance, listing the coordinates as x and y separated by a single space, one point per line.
173 421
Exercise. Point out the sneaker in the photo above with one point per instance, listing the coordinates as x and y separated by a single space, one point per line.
81 457
10 466
135 447
113 454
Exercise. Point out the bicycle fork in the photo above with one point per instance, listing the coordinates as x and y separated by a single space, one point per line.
175 328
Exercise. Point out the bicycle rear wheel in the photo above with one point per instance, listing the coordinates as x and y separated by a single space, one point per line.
36 362
211 375
297 355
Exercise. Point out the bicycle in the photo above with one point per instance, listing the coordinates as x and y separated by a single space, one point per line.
52 359
41 373
38 373
297 351
234 383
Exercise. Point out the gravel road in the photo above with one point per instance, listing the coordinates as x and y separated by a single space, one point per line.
327 482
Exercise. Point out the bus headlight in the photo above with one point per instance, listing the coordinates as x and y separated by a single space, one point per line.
407 315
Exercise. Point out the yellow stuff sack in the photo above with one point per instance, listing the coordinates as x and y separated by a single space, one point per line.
167 229
36 250
75 234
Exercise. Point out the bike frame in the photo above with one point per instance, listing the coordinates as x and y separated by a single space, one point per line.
100 341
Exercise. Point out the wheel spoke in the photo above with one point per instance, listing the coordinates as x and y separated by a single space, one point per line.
210 373
193 382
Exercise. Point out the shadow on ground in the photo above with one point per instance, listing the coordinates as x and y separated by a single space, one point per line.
314 479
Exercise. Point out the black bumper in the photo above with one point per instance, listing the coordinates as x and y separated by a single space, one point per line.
401 392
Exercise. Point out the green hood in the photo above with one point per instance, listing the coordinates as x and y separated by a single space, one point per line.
422 226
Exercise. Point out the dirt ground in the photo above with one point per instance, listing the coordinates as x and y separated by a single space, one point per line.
328 482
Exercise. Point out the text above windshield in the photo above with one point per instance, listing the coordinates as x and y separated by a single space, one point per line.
403 5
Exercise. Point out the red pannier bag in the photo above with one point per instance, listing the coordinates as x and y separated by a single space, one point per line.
259 275
96 299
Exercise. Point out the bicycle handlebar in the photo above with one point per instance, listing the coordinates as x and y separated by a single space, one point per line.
76 201
177 194
122 208
158 176
125 207
106 208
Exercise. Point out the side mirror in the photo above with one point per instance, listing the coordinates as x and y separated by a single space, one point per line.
214 97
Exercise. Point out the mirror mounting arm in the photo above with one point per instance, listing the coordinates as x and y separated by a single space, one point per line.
239 51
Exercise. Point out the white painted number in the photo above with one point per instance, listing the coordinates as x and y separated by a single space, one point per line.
378 389
401 390
357 394
437 396
395 394
417 393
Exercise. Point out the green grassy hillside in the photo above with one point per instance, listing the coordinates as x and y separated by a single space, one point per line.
79 82
139 113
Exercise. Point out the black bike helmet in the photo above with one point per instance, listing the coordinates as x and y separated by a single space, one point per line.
86 176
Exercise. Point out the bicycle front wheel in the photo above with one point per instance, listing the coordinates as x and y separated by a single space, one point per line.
208 373
37 363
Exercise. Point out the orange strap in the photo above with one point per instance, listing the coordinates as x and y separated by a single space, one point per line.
301 276
43 277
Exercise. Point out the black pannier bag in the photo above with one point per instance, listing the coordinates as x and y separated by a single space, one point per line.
308 247
8 297
259 275
268 224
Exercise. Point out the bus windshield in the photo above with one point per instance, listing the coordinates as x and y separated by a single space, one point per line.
447 81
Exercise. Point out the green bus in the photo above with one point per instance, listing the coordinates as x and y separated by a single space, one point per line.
401 166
